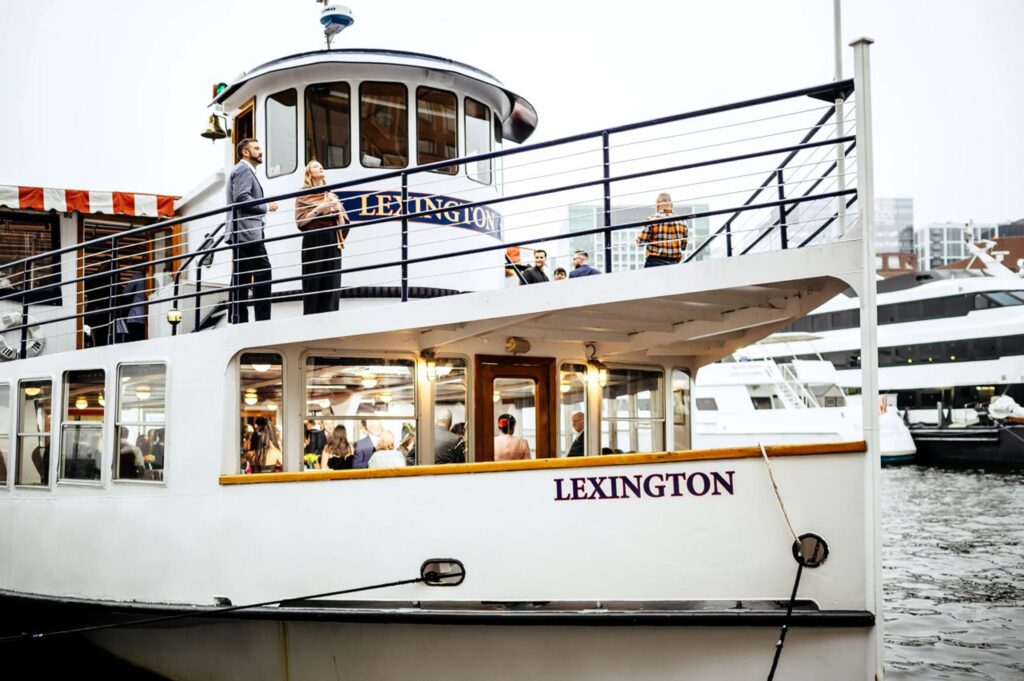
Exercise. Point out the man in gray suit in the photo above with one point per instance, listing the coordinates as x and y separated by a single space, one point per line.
246 234
444 439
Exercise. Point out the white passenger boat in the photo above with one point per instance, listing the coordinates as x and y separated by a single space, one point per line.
125 507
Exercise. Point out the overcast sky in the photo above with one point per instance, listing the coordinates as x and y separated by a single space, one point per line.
112 94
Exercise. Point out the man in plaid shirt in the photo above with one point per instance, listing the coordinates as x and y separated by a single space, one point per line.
666 241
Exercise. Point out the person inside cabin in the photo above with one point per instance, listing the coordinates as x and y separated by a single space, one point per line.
507 446
579 442
337 452
316 437
157 450
665 241
131 321
560 274
321 246
130 460
407 446
386 455
580 266
459 450
367 445
264 455
444 440
245 233
41 460
536 274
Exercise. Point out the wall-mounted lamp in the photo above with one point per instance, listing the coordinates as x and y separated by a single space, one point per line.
174 316
431 369
600 367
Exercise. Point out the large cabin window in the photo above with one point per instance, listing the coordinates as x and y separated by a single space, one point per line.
383 125
572 410
34 411
632 412
5 425
261 396
451 436
436 127
329 124
680 409
478 139
140 427
23 236
282 133
82 428
367 406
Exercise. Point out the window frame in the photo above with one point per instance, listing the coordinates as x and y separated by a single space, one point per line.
589 379
662 405
454 167
352 125
41 294
282 410
295 127
5 432
16 433
490 141
92 425
431 410
359 125
115 435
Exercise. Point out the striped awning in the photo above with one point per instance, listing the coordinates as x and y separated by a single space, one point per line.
85 201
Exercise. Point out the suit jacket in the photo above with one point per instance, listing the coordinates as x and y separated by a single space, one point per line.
134 292
362 452
584 271
243 186
534 276
576 449
444 443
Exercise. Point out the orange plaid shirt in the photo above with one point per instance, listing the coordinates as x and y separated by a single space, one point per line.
664 240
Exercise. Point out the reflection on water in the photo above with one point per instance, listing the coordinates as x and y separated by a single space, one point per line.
953 574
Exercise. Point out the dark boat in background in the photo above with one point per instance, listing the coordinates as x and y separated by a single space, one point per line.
994 440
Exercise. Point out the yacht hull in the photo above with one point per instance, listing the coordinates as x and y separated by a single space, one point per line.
972 446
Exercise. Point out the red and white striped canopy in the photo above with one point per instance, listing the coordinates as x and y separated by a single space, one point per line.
85 201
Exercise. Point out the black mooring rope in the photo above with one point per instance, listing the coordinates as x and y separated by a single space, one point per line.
789 613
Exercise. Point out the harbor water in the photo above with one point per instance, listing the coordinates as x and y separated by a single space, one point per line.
953 571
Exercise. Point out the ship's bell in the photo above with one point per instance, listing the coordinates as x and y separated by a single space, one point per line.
213 130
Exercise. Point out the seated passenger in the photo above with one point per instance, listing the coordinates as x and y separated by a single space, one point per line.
130 462
386 455
264 453
337 453
507 446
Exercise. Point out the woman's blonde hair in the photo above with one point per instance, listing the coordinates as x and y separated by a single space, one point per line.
307 180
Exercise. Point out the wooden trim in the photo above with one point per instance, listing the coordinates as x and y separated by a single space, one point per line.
823 448
248 107
541 369
79 287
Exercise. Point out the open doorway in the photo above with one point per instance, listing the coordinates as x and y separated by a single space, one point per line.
520 388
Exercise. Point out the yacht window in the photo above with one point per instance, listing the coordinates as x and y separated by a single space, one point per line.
982 302
261 405
707 404
82 428
478 139
23 237
1019 295
282 133
436 127
572 411
680 409
328 124
984 348
449 379
373 399
762 402
5 427
632 412
1003 298
140 428
34 411
383 125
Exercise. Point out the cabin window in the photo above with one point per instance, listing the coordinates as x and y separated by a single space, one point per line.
449 378
478 139
329 124
82 428
373 399
5 426
23 236
707 404
436 127
140 428
632 412
499 162
572 410
34 411
261 400
383 125
282 133
680 409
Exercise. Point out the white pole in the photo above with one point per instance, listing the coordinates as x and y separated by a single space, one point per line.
837 30
869 338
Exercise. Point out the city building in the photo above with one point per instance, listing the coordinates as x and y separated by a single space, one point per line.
942 243
892 217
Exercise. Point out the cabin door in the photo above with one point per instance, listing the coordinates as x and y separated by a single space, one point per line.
520 387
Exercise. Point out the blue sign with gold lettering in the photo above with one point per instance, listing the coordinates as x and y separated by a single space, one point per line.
445 210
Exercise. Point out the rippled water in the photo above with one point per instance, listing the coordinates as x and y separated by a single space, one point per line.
953 574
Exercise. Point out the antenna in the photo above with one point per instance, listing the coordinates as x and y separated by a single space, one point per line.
335 19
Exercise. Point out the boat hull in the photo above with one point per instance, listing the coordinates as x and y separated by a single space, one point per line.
973 446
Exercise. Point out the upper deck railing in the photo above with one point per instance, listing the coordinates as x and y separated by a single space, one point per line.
775 172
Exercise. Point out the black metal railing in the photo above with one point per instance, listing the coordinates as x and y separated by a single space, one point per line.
812 139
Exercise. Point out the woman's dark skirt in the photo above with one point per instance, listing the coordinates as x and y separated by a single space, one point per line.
321 272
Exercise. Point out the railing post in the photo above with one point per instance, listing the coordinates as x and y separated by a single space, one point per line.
606 154
728 239
235 292
25 288
405 237
112 293
199 295
783 235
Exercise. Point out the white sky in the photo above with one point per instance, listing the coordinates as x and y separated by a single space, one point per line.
112 94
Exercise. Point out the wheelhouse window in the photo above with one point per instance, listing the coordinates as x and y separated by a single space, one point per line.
373 401
34 412
572 409
24 236
329 124
383 125
478 139
5 435
282 133
82 426
436 127
140 428
448 377
680 410
261 400
632 412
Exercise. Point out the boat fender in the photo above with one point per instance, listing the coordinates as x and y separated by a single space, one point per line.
35 340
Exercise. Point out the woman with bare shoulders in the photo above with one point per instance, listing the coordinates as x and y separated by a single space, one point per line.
264 453
508 447
337 453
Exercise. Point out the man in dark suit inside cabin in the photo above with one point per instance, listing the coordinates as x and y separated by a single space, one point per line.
445 441
246 234
578 445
